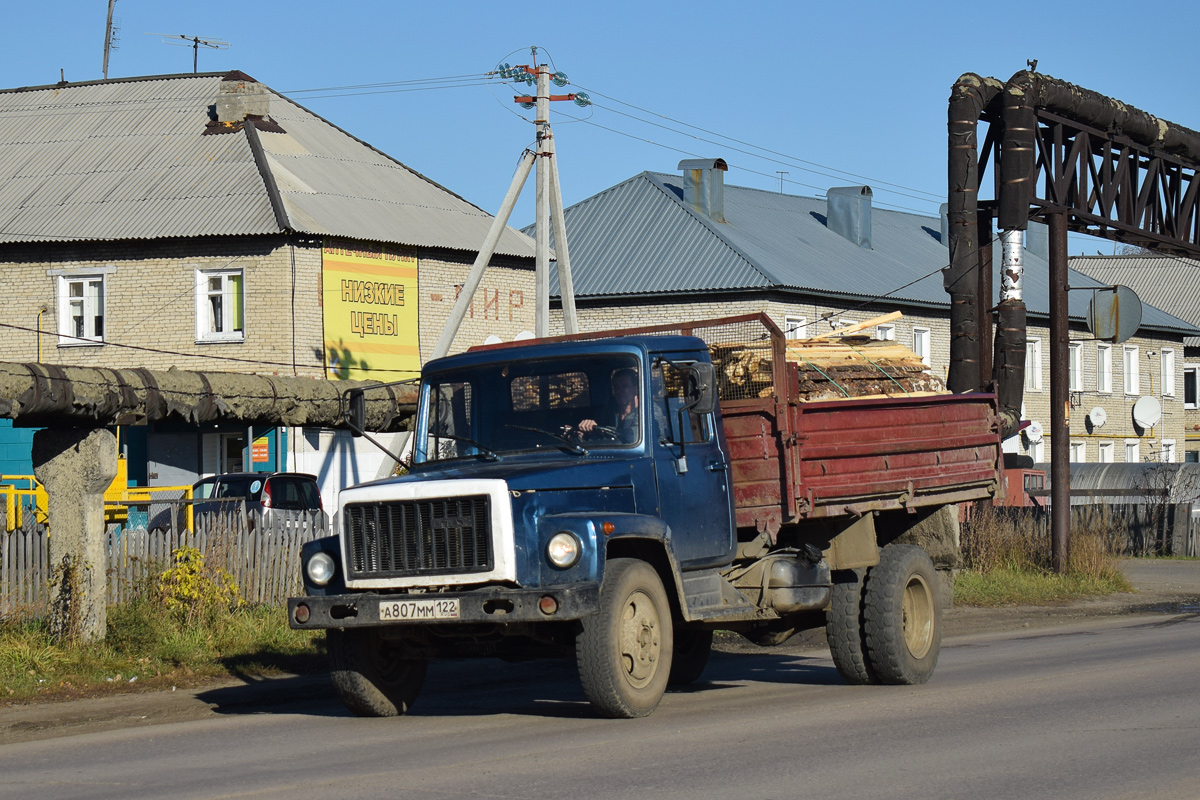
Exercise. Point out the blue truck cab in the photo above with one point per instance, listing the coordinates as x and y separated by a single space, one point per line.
550 511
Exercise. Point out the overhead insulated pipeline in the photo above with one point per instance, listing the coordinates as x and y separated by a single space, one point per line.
1014 104
58 396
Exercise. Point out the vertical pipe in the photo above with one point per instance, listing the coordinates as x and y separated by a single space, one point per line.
542 178
986 300
1060 430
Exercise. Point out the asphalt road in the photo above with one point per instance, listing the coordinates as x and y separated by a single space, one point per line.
1103 707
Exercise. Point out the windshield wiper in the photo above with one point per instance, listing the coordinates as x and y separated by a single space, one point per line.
571 447
488 453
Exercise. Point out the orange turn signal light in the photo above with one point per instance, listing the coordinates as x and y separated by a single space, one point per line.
607 527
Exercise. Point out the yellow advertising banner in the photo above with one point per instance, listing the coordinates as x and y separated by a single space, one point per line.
370 311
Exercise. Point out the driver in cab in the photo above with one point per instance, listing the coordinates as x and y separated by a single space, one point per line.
622 424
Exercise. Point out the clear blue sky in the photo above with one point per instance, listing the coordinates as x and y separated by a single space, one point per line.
859 87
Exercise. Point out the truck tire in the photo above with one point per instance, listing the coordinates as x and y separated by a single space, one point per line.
692 649
844 629
902 617
624 652
370 675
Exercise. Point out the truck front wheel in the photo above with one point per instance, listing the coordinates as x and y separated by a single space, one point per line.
370 674
902 618
624 652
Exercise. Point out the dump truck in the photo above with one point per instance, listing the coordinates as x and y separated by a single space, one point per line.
756 489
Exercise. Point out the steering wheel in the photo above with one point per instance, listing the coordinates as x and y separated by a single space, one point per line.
603 430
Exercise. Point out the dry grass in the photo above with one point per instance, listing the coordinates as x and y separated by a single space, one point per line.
1009 561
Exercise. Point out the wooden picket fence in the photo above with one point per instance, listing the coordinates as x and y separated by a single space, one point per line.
264 560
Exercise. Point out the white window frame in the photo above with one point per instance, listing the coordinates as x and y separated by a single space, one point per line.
1133 446
1104 369
1078 453
923 344
1191 377
1037 451
795 327
1075 366
1168 371
1033 365
1105 452
1167 455
1131 370
205 327
885 333
70 335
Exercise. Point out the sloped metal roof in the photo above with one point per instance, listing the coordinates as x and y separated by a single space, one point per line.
1166 282
126 159
639 238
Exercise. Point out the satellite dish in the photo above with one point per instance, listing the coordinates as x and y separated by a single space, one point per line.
1147 411
492 338
522 336
1034 431
1098 416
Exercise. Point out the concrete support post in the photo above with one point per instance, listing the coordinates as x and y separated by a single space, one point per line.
76 466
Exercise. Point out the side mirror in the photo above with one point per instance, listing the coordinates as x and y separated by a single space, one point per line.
355 413
701 388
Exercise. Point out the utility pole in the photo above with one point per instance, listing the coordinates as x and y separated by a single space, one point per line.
108 36
548 207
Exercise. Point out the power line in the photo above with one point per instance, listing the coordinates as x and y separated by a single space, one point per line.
873 181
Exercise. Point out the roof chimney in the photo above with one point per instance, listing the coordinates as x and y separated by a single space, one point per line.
704 186
241 96
1037 239
849 213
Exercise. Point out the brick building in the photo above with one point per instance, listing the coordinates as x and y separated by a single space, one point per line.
660 247
206 222
1172 284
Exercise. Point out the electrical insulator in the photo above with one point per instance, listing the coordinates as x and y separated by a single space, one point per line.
528 105
560 79
582 100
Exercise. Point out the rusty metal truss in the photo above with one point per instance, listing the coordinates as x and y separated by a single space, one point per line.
1109 185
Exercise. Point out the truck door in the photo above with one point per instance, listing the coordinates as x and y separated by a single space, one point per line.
693 475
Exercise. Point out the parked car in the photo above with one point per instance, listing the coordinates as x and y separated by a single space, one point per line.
266 494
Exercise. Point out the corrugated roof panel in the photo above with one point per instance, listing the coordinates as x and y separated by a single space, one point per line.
77 157
640 238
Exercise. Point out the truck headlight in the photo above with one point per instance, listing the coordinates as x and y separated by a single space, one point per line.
563 550
320 569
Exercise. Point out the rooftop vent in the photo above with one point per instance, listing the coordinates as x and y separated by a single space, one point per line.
849 214
704 186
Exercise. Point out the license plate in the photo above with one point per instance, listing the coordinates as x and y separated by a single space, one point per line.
414 610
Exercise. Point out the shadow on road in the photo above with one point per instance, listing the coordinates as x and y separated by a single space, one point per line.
480 687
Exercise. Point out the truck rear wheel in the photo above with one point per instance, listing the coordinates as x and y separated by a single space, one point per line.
902 616
624 652
370 674
844 629
692 649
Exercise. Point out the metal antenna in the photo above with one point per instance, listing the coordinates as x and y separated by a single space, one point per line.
781 173
193 42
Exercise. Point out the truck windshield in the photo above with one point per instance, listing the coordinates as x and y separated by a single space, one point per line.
570 405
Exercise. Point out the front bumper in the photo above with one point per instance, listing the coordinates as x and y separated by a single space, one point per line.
489 605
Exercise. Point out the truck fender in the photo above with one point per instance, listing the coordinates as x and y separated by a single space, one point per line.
649 539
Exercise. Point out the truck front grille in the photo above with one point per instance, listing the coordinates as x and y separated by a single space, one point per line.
399 539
